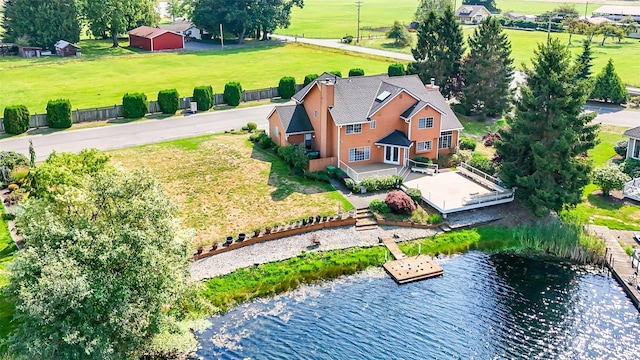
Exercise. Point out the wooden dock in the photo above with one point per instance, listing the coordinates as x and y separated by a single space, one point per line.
408 269
619 263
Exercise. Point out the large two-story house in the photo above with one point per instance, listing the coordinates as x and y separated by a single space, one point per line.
366 120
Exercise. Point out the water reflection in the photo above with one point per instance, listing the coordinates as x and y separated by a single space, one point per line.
484 307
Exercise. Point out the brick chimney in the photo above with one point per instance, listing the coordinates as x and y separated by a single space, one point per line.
432 86
326 101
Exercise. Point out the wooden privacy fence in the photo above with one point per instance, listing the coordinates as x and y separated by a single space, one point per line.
115 111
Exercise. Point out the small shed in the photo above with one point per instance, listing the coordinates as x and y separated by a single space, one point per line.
65 48
154 39
185 28
29 51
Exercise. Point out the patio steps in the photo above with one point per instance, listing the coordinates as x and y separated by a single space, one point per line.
365 220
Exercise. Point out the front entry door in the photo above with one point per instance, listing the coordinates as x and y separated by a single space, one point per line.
392 155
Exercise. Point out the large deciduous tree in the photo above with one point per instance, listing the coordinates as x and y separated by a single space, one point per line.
41 22
439 50
427 6
399 34
240 17
543 151
489 4
103 260
609 87
488 70
110 18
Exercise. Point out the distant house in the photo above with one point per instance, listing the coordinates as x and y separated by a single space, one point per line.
367 121
616 13
471 14
529 17
633 149
154 39
518 16
597 20
29 51
185 28
65 48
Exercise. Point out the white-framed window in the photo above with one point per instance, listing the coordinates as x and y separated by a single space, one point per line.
372 124
359 154
315 114
445 140
276 132
425 123
354 129
424 146
636 149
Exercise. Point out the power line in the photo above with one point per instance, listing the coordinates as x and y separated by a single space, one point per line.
359 3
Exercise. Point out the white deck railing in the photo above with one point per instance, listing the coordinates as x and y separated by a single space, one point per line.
359 176
480 176
632 189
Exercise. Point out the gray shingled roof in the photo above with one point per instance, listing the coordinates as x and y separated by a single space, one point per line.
395 138
633 133
294 118
469 10
303 92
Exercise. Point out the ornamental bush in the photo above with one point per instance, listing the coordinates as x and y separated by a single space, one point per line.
309 79
399 202
381 182
379 206
414 194
620 147
8 161
294 156
59 114
467 144
609 178
396 69
337 73
16 119
482 163
134 105
631 167
252 126
287 87
169 101
356 72
232 93
203 95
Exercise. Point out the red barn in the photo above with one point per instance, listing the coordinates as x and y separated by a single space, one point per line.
154 39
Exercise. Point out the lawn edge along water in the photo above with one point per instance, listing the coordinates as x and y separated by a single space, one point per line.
563 241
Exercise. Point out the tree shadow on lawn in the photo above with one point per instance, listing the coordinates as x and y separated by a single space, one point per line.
392 45
283 180
614 201
235 49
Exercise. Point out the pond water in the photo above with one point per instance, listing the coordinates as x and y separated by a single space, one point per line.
484 307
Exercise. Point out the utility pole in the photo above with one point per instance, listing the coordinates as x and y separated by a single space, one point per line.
585 10
359 3
221 38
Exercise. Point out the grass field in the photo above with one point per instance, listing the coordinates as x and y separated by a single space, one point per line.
223 186
332 19
103 81
7 251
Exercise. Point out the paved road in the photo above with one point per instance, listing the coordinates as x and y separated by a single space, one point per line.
615 116
138 133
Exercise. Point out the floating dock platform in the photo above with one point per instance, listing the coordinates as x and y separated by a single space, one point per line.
408 269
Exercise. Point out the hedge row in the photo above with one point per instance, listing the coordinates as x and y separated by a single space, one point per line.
134 105
59 114
16 119
169 101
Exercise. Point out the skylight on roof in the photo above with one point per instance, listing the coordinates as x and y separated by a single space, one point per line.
383 96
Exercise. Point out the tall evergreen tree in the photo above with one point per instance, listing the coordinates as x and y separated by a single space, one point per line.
41 22
439 50
583 62
427 6
489 4
543 149
488 70
609 86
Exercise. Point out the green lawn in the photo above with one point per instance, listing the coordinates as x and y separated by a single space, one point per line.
223 185
7 251
103 81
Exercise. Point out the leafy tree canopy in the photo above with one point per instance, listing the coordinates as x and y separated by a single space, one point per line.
489 4
609 178
102 262
427 6
399 34
110 18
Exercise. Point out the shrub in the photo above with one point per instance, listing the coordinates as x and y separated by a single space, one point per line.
620 147
351 185
169 101
399 202
203 95
490 138
396 69
381 182
8 161
252 126
134 105
16 119
12 212
317 176
456 158
460 109
338 73
356 72
59 114
467 144
635 101
379 206
13 187
265 141
287 87
609 178
482 163
481 118
309 79
295 157
19 174
255 137
232 93
631 167
434 219
422 159
340 174
414 194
